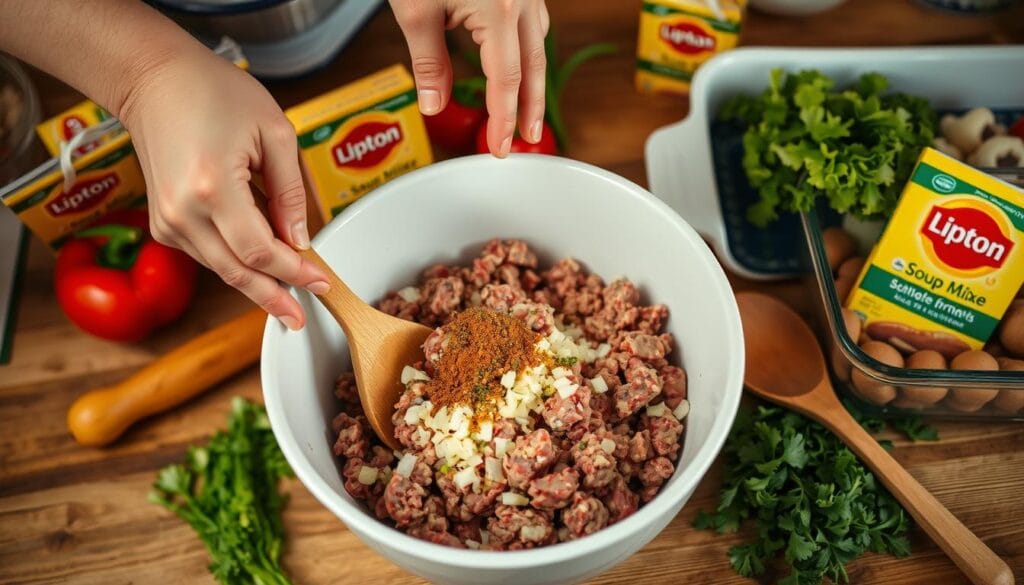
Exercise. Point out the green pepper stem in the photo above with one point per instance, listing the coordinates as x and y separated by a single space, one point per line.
121 248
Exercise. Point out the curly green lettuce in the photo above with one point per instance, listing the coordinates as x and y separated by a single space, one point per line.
805 140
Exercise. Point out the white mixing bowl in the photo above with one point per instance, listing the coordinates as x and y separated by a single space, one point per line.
446 212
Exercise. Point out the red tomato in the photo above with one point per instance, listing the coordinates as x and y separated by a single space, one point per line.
454 127
1018 128
547 144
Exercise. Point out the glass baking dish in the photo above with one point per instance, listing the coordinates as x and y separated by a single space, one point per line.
843 355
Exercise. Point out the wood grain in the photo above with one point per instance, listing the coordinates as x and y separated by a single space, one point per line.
70 514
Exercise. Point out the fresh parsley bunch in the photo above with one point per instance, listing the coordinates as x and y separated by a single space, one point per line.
227 492
814 503
805 139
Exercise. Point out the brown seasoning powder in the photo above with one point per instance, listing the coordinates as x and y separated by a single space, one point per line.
481 346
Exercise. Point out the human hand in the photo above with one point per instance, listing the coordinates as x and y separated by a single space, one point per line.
201 128
511 38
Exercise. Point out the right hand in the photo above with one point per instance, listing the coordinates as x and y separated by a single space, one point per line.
511 38
202 128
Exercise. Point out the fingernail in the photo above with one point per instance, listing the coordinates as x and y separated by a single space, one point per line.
535 132
430 102
505 147
300 235
289 322
318 288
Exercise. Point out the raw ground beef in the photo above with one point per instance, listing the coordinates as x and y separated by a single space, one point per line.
584 462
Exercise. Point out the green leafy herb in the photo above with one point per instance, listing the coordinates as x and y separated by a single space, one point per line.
227 492
912 426
805 140
567 362
815 506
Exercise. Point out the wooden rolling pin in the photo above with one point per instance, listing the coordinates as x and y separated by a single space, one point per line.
100 416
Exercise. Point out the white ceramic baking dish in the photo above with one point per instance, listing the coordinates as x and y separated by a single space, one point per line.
680 168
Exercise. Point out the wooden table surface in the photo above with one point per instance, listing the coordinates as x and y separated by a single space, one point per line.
80 515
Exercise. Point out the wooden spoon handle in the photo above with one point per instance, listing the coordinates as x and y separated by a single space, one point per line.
974 558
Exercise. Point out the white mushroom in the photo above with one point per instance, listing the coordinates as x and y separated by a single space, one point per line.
999 151
967 132
943 145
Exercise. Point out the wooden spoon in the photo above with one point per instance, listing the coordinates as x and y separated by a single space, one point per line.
784 364
380 344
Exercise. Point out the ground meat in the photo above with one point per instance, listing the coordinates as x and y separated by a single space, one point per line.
665 432
554 490
596 465
656 471
642 385
441 296
352 432
501 297
585 515
621 500
404 500
643 346
640 447
515 528
651 319
561 413
673 385
393 304
584 461
345 389
531 456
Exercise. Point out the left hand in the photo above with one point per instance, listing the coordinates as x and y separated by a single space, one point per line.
511 38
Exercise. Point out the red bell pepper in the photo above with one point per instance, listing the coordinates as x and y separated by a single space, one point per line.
115 281
454 127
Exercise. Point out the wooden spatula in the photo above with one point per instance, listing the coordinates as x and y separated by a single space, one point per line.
380 345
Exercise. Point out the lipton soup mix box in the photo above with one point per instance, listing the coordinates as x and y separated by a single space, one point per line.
359 137
677 36
107 177
950 260
64 127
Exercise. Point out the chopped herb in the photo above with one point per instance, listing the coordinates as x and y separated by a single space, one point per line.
912 426
227 492
567 362
815 505
445 468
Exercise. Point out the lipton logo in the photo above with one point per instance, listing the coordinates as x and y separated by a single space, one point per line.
966 238
83 195
367 144
687 38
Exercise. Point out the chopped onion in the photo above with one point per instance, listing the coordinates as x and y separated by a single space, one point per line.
410 373
560 372
492 469
485 537
508 379
501 446
603 350
472 544
658 409
543 345
682 409
474 460
600 386
413 414
514 499
440 420
486 431
567 391
367 475
409 294
465 477
608 445
533 533
406 465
